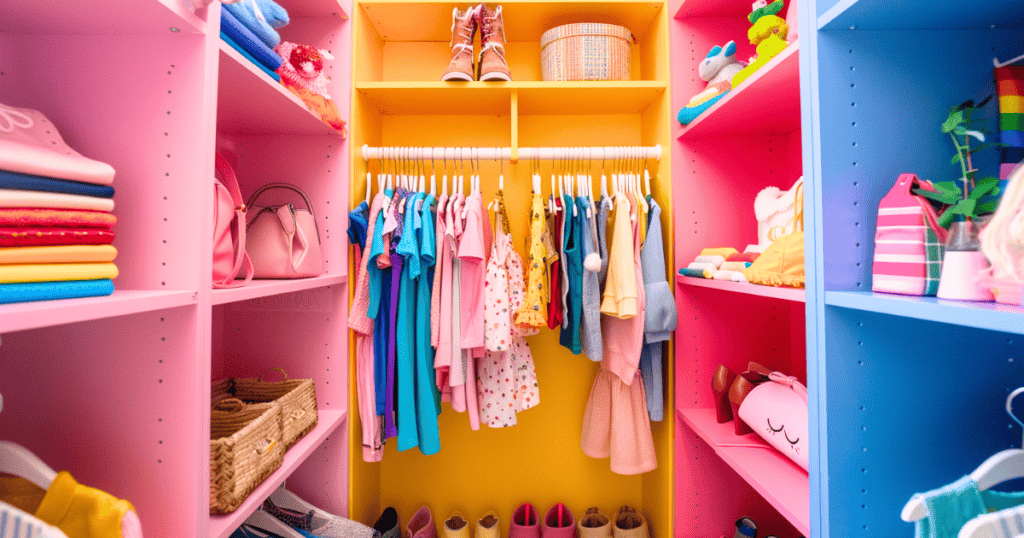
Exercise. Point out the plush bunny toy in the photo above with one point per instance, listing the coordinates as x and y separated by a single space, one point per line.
718 68
303 67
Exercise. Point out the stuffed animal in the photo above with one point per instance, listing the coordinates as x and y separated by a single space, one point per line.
768 32
303 67
717 68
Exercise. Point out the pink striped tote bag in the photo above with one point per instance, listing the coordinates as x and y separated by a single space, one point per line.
909 243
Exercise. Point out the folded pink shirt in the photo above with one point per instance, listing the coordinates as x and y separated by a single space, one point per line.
31 144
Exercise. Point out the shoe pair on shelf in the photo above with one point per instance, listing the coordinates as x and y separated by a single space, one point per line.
286 515
731 389
491 65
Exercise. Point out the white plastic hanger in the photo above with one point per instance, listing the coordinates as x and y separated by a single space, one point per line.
462 177
997 63
444 178
1003 466
433 176
647 181
266 522
369 183
19 461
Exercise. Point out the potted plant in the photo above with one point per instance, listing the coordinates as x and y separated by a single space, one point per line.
964 208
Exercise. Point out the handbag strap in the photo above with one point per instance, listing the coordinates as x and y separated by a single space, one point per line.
790 382
286 186
226 175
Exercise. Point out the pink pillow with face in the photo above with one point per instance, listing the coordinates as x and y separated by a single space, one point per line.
777 411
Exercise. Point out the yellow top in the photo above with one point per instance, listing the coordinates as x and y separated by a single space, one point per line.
84 512
49 272
534 312
782 263
58 254
620 291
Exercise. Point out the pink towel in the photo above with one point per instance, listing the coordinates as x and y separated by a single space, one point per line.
31 144
53 200
71 218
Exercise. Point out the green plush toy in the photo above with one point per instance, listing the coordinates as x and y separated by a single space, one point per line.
768 32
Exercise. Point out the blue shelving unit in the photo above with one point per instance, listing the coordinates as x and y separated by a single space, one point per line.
906 393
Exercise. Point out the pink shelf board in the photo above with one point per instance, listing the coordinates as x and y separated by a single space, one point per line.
766 103
712 8
776 478
100 18
266 288
250 102
314 8
22 316
328 422
788 294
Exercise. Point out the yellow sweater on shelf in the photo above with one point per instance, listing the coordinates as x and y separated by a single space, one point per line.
52 272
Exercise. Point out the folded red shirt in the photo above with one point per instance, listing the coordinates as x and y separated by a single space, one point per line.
70 218
33 236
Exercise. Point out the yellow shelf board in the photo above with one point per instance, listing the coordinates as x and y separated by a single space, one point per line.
494 98
418 20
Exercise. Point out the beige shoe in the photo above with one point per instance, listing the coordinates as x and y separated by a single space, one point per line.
463 31
455 527
492 45
630 524
487 526
594 524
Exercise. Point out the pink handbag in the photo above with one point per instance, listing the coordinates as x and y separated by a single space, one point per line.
228 233
777 411
909 243
284 242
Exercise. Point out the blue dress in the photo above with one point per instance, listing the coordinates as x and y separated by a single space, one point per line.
380 292
570 334
405 333
427 395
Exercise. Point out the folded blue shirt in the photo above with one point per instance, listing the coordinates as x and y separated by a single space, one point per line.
27 182
46 291
270 16
249 57
245 39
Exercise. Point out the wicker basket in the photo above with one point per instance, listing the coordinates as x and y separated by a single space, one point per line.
297 398
245 447
586 51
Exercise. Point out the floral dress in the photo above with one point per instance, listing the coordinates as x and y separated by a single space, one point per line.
533 314
506 379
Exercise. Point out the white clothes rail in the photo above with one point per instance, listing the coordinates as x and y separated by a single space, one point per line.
527 154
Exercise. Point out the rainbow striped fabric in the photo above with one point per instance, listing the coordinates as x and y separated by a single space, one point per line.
1010 85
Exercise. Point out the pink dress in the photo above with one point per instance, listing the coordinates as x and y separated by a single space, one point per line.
473 254
616 423
435 294
357 319
507 381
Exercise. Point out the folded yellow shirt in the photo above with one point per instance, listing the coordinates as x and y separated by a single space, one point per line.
51 272
58 254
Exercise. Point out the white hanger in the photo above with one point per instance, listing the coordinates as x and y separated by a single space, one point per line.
444 178
551 199
997 63
433 176
647 181
390 171
19 461
1003 466
369 182
462 177
266 522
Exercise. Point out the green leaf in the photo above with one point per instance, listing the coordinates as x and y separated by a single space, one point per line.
955 118
943 197
988 207
963 207
983 187
957 159
947 186
983 146
960 130
946 219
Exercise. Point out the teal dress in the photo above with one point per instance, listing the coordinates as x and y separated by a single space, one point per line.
427 396
405 333
571 237
951 507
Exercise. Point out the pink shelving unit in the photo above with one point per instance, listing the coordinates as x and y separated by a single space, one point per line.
122 383
747 141
787 294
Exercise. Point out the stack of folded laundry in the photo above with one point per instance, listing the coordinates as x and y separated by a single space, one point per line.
720 264
249 27
56 220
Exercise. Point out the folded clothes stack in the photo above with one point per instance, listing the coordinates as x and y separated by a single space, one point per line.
56 220
249 27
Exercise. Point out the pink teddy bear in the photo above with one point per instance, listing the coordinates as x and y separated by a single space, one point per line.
303 67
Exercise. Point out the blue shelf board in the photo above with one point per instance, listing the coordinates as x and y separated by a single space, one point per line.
922 15
990 316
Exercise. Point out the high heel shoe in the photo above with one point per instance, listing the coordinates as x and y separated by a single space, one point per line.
737 393
745 528
720 383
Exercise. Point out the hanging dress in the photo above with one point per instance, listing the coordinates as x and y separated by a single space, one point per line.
533 313
507 380
569 337
447 321
405 329
397 266
378 291
660 316
427 395
555 224
590 323
435 294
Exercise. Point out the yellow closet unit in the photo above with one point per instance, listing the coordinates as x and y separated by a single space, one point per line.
400 49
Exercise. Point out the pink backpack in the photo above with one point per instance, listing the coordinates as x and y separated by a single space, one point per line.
909 243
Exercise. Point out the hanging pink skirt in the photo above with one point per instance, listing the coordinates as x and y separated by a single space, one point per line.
616 425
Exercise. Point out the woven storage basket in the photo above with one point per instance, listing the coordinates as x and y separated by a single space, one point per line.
245 447
297 398
586 51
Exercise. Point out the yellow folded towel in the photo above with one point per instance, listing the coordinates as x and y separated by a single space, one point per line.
58 254
52 272
724 252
